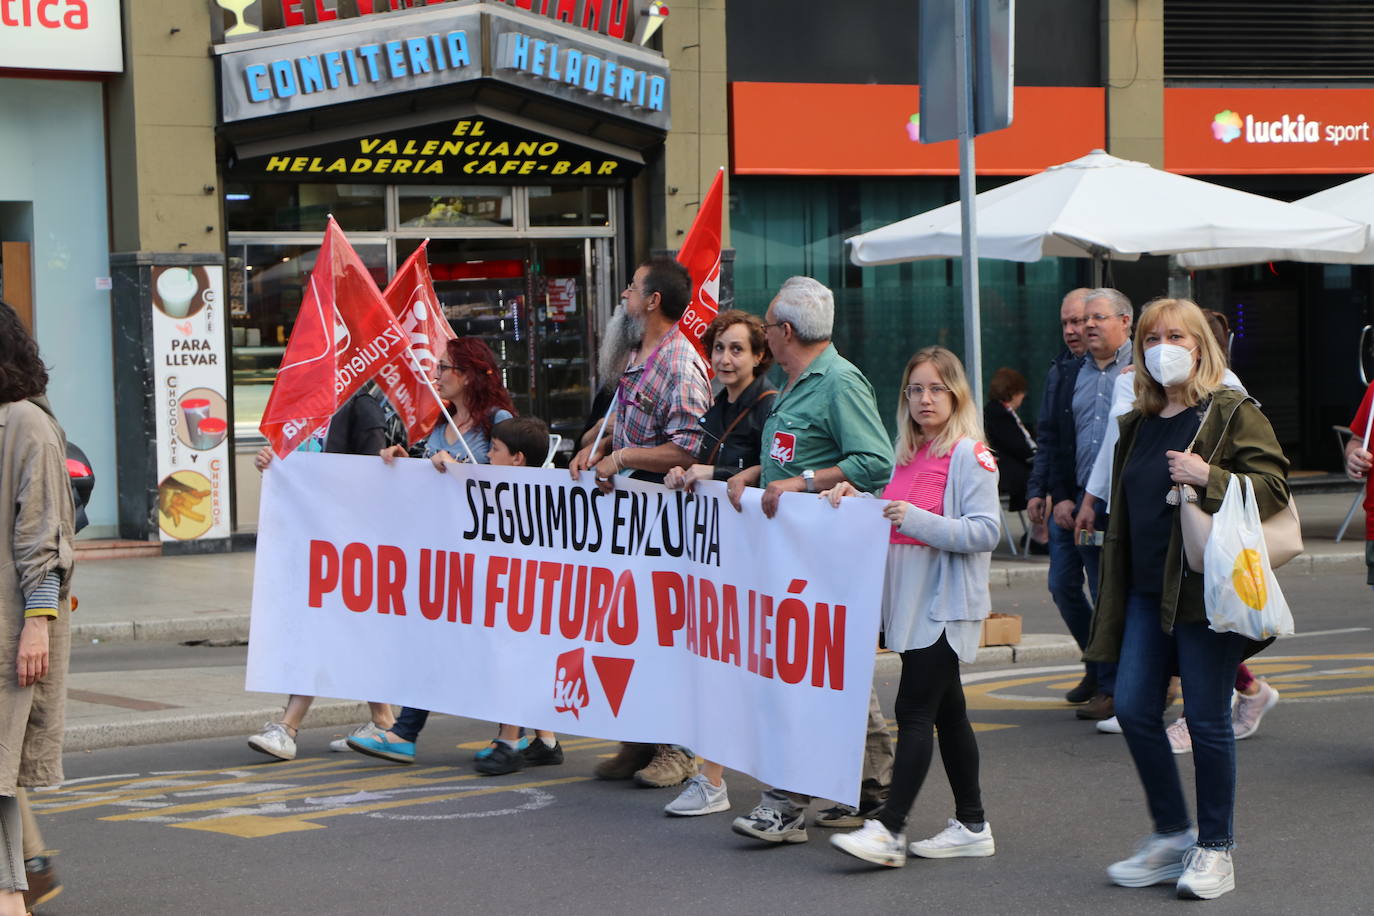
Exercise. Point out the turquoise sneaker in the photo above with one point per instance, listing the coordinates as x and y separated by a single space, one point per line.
485 752
395 751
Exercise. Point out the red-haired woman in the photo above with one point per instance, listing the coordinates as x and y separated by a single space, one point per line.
468 380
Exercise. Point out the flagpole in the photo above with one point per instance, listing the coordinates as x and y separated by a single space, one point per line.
601 430
429 386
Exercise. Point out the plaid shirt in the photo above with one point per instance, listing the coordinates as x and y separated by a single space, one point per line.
661 400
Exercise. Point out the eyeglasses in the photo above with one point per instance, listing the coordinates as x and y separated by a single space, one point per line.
774 324
446 367
639 289
1101 318
915 391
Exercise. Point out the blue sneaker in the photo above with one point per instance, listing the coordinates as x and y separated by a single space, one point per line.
485 752
395 751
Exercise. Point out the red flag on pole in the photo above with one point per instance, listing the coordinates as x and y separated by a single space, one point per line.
410 294
700 254
344 331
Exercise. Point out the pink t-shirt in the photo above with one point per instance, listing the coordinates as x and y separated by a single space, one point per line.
920 482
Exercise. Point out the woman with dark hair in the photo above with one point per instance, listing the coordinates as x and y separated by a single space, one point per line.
471 384
468 380
37 518
1008 437
734 439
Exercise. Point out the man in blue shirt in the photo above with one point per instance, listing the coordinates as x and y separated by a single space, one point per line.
1107 334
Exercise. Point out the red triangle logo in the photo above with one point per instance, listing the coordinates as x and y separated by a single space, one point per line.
615 677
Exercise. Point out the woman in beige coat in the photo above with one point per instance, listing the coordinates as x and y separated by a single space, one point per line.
36 519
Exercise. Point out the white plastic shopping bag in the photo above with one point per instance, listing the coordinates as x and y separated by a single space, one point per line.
1239 589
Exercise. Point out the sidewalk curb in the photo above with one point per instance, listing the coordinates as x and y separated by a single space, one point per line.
1035 648
182 726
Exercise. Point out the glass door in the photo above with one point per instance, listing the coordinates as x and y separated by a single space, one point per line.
563 336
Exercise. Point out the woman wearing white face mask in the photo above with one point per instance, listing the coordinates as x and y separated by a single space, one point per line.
1150 615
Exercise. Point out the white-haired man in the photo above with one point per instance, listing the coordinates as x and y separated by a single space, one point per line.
824 429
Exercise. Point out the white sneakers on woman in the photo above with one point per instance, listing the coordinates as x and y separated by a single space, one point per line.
1201 872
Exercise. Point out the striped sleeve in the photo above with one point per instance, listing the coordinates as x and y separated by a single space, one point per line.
42 601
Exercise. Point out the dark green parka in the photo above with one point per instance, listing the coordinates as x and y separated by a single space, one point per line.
1244 445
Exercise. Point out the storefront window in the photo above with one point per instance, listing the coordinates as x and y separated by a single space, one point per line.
266 285
287 207
570 207
454 206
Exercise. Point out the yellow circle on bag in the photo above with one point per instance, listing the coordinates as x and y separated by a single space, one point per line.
1247 577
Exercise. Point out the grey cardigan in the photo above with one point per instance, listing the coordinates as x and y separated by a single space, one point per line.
964 538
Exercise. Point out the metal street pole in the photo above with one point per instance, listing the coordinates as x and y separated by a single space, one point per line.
968 215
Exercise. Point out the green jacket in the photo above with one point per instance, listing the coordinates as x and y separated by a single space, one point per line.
1248 448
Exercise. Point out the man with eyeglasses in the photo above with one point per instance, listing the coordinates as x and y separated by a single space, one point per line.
1054 461
823 430
656 405
1107 336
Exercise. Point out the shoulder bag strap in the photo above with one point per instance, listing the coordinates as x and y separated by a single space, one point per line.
711 458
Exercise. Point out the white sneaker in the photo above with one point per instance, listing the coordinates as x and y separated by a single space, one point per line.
1109 726
874 843
275 741
1157 859
1180 739
956 841
700 797
1207 873
366 730
1245 718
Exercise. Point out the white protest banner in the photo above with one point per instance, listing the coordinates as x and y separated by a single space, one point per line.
516 595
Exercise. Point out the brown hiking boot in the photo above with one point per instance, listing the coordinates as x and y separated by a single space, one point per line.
43 883
669 767
631 757
1099 707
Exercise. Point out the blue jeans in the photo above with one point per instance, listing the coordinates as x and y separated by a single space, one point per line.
410 723
1067 567
1091 558
1207 664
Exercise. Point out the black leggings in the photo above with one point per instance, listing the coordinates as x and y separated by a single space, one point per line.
931 697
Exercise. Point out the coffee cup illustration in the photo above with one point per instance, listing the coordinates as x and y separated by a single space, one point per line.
195 410
177 288
209 432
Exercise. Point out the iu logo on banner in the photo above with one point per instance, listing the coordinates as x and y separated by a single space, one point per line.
700 254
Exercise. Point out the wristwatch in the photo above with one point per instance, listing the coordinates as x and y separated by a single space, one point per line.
810 478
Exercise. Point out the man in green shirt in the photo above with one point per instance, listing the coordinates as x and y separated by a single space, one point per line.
823 430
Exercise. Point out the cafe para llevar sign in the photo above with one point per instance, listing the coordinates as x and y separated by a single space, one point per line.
466 149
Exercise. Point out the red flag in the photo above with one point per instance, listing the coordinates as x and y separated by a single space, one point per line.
343 332
406 381
700 254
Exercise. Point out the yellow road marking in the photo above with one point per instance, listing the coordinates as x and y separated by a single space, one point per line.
290 768
248 826
394 780
168 790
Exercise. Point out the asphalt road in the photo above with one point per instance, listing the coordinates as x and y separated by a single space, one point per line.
209 827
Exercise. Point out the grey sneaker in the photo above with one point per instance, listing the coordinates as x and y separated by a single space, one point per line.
274 741
1207 873
956 841
366 730
1245 718
699 797
873 842
771 826
845 816
1157 859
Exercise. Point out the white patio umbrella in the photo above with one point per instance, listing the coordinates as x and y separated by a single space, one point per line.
1100 205
1352 200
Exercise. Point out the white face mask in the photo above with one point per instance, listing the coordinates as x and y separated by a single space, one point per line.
1169 364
